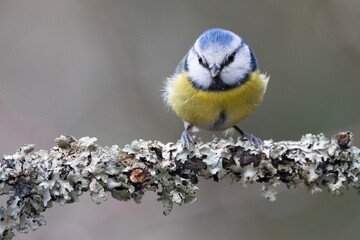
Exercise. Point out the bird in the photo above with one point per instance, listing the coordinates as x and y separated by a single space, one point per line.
216 85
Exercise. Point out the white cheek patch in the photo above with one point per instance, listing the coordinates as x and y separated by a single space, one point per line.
231 74
238 69
197 73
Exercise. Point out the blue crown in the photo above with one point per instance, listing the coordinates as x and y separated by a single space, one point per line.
216 36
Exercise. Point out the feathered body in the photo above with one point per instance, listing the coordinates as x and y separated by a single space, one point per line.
217 84
214 110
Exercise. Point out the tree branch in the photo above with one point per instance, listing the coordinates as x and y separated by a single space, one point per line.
33 181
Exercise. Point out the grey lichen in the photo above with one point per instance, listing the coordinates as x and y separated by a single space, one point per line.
33 181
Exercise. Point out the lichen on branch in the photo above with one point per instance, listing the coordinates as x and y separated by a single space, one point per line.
34 181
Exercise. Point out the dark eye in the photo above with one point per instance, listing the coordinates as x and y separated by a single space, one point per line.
231 59
200 61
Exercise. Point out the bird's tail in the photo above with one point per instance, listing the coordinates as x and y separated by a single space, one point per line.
229 132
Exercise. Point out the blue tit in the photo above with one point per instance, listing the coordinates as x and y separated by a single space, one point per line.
216 85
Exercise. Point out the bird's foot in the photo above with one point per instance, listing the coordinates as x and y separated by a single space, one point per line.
257 141
187 140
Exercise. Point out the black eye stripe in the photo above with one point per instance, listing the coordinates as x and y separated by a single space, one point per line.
202 61
230 58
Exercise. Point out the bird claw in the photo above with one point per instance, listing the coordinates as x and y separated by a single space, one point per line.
187 140
257 141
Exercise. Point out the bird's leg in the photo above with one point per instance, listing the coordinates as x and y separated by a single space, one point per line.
186 138
257 141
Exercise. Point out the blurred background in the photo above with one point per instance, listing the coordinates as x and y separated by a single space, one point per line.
95 68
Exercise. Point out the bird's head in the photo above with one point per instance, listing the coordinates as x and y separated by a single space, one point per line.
219 59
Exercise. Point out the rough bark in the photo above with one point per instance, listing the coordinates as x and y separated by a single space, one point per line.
34 181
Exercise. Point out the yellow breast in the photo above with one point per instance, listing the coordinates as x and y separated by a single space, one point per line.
215 110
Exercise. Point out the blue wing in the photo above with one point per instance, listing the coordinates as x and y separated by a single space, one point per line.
181 66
